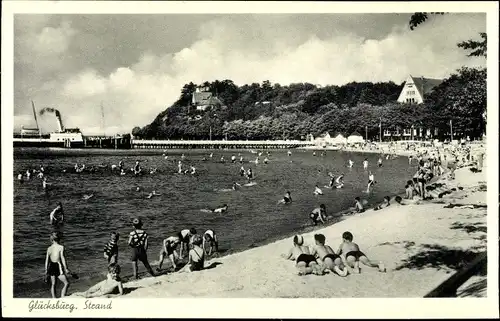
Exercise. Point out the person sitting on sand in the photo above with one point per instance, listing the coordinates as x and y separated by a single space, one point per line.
185 238
286 199
138 241
169 246
108 286
329 259
57 215
352 255
409 190
56 266
318 214
220 209
196 257
305 262
386 203
317 191
210 241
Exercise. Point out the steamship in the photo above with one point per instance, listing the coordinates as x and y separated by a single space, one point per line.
64 137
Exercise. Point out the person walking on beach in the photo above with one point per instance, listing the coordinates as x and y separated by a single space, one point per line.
56 266
111 248
318 214
351 255
138 241
327 256
169 246
304 261
57 215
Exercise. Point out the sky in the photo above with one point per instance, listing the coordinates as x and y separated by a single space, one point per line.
132 67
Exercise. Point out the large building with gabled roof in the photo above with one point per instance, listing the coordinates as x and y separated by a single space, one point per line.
416 89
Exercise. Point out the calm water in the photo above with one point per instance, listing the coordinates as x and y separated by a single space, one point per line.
253 218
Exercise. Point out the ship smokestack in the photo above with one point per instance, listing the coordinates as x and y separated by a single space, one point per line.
58 116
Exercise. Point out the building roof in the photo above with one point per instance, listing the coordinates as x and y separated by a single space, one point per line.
425 85
205 98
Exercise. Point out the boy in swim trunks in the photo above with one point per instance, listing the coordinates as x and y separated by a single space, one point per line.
329 259
196 258
358 206
351 255
57 215
318 214
111 249
56 266
138 241
305 262
169 246
386 203
185 238
209 237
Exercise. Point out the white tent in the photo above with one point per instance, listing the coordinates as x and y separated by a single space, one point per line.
323 139
339 139
355 138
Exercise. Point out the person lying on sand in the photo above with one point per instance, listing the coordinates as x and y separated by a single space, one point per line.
107 286
327 256
386 203
305 262
351 255
196 257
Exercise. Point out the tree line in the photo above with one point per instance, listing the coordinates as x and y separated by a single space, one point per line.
273 111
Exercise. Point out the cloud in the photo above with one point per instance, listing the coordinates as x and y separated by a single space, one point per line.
245 49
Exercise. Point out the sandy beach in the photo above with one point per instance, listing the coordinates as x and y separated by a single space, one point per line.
421 245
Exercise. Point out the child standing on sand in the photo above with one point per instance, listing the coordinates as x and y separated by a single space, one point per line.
111 249
351 255
138 241
56 266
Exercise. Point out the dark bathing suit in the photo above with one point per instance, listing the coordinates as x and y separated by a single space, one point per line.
54 269
332 256
138 250
184 239
287 199
197 266
356 254
307 258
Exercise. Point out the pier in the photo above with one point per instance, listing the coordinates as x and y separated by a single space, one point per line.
219 144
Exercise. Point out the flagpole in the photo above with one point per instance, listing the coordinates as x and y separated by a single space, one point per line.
451 129
380 129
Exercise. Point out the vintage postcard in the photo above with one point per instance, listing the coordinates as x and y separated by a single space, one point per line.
249 159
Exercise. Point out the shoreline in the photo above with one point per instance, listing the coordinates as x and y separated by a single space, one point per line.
161 286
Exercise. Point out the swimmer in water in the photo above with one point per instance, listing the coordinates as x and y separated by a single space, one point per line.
317 191
211 155
233 159
249 174
222 159
220 209
87 196
265 160
351 163
193 170
365 164
122 172
183 157
289 153
28 174
286 199
371 181
242 171
340 181
137 168
314 153
257 160
236 186
153 193
380 161
57 215
241 159
179 167
20 177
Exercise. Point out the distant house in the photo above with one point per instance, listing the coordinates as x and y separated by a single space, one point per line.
202 99
416 89
355 138
323 139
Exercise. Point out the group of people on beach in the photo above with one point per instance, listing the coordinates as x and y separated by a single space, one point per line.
320 258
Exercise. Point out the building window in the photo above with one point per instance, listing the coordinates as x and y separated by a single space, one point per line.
406 132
